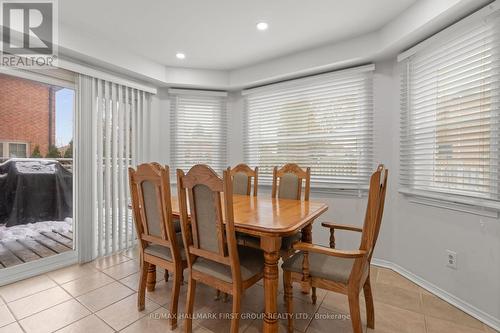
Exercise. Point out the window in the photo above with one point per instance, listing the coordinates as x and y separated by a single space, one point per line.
198 121
17 150
13 150
323 122
450 115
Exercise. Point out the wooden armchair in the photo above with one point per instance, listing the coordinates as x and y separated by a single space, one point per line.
342 271
159 244
210 242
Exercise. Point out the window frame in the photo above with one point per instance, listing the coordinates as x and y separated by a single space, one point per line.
451 199
360 187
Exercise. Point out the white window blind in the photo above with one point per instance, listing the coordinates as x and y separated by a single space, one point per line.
323 122
198 129
450 115
117 120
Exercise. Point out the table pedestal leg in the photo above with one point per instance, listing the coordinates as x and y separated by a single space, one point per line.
271 247
306 238
151 280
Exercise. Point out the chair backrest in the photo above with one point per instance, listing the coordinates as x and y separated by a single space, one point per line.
152 207
241 176
287 182
203 233
374 209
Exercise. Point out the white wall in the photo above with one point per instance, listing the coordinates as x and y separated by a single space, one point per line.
413 236
160 127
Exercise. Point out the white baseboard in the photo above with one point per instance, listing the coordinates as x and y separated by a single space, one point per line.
40 266
444 295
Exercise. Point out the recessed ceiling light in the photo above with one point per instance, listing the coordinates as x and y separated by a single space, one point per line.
262 26
180 55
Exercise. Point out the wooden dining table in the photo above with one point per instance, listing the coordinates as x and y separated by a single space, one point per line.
270 220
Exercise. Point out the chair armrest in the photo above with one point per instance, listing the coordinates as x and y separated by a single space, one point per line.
341 226
329 251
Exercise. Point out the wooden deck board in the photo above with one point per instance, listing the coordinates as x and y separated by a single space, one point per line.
20 251
58 238
66 235
45 244
37 248
8 258
51 244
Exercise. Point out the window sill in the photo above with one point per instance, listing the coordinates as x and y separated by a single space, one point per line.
467 205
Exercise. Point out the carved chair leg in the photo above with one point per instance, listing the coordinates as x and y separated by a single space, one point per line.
355 311
151 278
370 310
141 295
176 287
189 305
288 289
306 238
314 298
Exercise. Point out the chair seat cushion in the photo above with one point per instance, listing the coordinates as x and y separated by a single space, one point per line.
321 266
164 252
251 264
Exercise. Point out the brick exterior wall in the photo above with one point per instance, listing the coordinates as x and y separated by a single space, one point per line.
25 109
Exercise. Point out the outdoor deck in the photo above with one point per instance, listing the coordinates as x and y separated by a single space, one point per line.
30 248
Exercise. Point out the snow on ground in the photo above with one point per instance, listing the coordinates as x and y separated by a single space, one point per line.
24 231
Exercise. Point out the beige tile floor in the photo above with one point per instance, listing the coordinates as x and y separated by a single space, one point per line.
101 297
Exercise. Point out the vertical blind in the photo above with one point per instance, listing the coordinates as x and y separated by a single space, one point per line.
119 123
323 122
198 129
450 115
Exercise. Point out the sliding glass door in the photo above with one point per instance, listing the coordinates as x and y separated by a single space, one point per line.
36 171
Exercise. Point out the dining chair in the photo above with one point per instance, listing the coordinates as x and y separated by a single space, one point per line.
159 244
287 184
213 256
342 271
241 176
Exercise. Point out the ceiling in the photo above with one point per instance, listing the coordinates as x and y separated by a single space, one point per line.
222 34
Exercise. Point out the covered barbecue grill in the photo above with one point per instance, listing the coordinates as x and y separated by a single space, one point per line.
34 190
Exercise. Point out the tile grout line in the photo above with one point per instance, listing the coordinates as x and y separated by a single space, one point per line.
74 298
143 317
107 306
29 294
98 271
57 284
37 312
